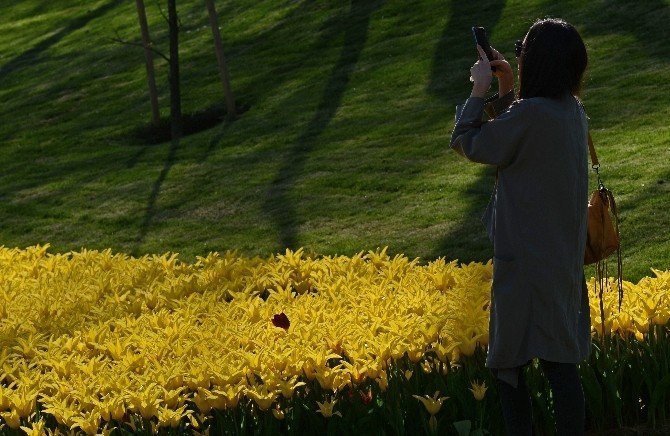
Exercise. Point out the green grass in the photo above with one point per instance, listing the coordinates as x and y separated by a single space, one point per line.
346 143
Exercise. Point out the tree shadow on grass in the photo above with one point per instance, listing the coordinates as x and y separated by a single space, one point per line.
86 170
150 210
646 21
29 55
325 111
264 85
279 204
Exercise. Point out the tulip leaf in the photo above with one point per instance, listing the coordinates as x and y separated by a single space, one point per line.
660 391
613 396
593 392
463 427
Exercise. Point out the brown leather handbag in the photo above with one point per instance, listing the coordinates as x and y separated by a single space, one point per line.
603 231
603 236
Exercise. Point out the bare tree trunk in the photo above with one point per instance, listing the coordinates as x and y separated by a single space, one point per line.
175 92
223 69
149 61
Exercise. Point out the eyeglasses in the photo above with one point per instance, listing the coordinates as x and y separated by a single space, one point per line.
518 46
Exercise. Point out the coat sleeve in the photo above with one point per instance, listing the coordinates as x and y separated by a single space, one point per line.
493 106
496 105
492 142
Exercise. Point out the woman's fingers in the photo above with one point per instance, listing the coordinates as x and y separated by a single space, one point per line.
482 53
497 55
504 73
481 73
502 64
480 67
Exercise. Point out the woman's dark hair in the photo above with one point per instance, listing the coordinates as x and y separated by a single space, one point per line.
553 60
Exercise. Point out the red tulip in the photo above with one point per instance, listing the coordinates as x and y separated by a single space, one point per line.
366 397
281 320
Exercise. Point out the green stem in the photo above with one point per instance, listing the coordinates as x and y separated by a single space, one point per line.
481 417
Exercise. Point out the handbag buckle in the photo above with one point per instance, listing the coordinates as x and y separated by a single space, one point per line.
601 185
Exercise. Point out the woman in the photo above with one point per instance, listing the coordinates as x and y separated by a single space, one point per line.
536 218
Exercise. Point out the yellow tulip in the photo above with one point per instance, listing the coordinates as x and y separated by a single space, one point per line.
278 413
202 400
63 414
415 355
467 345
397 352
340 381
12 419
382 380
478 390
264 398
356 372
88 423
326 408
172 418
326 377
116 350
373 370
146 404
4 399
173 398
37 429
434 404
309 370
116 409
624 320
455 355
662 317
218 399
196 422
233 395
444 280
443 350
24 402
106 430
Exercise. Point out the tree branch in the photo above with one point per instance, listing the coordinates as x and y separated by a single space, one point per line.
162 13
139 44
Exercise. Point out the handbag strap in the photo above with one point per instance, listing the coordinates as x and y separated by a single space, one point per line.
594 158
595 164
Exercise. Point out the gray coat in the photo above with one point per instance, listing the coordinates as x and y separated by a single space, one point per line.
536 219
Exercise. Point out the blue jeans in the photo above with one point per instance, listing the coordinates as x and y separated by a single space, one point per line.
566 388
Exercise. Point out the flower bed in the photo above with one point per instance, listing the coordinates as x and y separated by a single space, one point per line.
94 341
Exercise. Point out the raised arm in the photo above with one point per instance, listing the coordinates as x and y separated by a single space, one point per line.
495 105
492 142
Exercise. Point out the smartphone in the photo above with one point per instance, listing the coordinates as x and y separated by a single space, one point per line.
480 38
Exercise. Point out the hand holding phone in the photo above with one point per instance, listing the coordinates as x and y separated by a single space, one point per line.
479 34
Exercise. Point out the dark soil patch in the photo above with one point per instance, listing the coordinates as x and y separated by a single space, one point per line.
662 429
192 123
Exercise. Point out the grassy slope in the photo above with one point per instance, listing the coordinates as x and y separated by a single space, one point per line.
345 147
